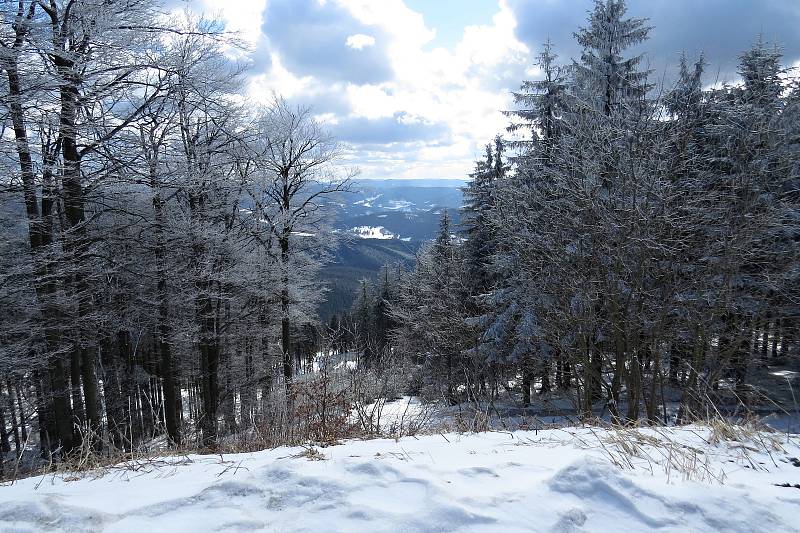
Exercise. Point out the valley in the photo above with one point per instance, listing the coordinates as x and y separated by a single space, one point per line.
382 222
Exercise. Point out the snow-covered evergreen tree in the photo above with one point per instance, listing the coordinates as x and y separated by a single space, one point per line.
607 81
431 309
541 105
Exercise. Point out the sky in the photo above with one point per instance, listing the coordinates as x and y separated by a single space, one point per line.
416 88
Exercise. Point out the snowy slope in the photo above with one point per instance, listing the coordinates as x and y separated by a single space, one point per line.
554 480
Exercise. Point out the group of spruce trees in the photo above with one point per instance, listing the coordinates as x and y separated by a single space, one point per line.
643 242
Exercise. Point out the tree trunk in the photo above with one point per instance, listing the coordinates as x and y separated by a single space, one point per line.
78 411
164 329
285 322
634 387
62 413
115 413
526 382
23 420
13 412
209 371
776 333
545 377
75 243
5 447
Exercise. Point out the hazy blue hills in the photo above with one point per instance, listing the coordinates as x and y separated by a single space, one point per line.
383 222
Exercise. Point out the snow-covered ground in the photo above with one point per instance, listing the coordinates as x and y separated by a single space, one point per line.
554 480
397 417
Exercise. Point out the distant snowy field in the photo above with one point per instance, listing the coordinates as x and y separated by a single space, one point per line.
554 480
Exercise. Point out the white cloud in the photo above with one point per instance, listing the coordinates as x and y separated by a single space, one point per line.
359 41
465 87
457 87
242 16
278 80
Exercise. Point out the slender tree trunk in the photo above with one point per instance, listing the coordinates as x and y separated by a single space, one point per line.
5 447
115 413
229 403
566 382
545 377
44 414
78 411
209 371
13 412
634 386
655 380
164 330
61 406
526 381
285 320
776 334
76 238
23 420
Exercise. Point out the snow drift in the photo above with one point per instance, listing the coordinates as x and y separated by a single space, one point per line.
565 480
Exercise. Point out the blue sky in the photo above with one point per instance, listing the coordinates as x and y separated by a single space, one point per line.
415 88
448 18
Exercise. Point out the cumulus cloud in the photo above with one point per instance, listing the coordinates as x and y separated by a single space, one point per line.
720 29
402 106
406 106
398 128
359 41
311 39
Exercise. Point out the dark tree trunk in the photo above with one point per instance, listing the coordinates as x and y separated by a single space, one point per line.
5 447
776 333
209 371
76 243
526 385
44 413
634 386
13 412
23 420
545 377
115 412
62 413
229 403
78 411
286 339
164 331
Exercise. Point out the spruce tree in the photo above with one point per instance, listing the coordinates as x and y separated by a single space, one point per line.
607 80
541 105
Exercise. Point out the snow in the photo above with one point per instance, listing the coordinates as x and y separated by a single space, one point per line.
347 365
399 205
400 416
372 232
551 480
367 202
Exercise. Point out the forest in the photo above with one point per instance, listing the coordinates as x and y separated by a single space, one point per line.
629 247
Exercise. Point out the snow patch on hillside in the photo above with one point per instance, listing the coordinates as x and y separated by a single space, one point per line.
398 205
551 480
367 202
372 232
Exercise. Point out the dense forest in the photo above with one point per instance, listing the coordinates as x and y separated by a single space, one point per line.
621 239
161 238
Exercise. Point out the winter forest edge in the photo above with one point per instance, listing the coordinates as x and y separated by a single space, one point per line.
627 252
